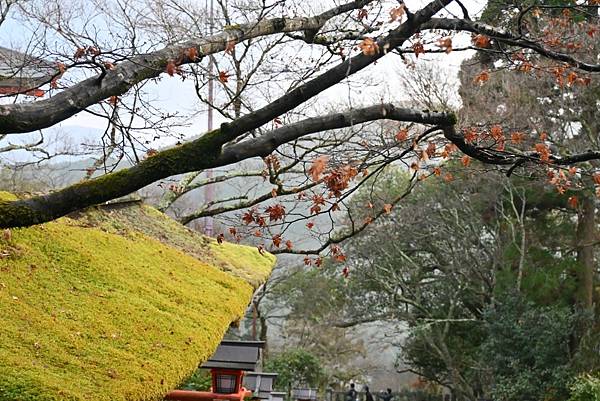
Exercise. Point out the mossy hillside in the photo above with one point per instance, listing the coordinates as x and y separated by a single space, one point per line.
88 314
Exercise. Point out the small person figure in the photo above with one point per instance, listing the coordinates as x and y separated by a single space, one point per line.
387 396
368 395
351 394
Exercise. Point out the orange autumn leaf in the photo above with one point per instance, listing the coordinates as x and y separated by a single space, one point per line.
248 217
340 258
94 51
437 171
482 77
288 245
543 151
171 68
79 53
448 177
596 178
465 160
230 46
572 170
317 167
471 135
276 240
497 133
418 48
191 53
396 13
481 41
517 137
445 43
572 202
224 76
310 225
525 67
430 150
572 78
369 47
387 208
151 153
402 135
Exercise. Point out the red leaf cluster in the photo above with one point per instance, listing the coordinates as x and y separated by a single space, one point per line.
318 201
276 212
543 151
339 179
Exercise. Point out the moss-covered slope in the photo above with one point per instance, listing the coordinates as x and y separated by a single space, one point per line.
93 309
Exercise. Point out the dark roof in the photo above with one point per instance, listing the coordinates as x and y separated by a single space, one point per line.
19 69
242 355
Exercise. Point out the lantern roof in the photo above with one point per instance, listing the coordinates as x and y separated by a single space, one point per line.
238 355
263 374
260 383
304 393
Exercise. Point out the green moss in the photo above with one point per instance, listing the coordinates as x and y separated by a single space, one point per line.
242 261
93 308
239 260
453 118
7 196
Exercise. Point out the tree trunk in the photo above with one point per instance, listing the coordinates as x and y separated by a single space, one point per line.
585 239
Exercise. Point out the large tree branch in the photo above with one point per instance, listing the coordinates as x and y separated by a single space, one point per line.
504 158
27 117
202 153
267 143
454 24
